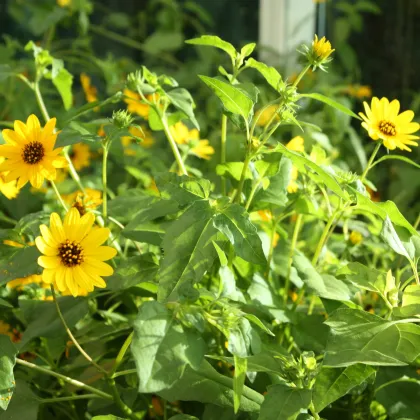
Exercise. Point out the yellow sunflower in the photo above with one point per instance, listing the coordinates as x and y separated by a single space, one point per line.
321 48
19 283
135 105
84 202
264 115
203 150
91 92
8 189
72 253
181 133
383 122
80 156
143 134
30 152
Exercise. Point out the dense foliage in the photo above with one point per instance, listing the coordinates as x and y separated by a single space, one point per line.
201 240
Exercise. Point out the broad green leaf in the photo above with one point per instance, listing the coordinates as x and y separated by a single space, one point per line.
360 337
24 404
206 385
242 338
396 157
233 221
229 289
5 72
222 256
63 82
5 304
333 383
162 348
188 251
309 332
392 239
387 208
214 41
270 74
20 262
149 232
156 209
182 189
133 271
182 100
284 403
69 136
233 170
8 354
160 41
330 102
238 381
233 99
183 417
42 319
410 302
319 174
155 122
248 49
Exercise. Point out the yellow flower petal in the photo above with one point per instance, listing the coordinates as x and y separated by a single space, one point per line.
97 267
49 262
44 248
103 253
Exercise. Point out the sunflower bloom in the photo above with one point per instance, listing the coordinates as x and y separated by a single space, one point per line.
297 144
181 134
203 150
8 189
73 258
143 134
84 202
135 105
91 92
321 48
80 156
199 148
383 122
30 153
264 115
19 283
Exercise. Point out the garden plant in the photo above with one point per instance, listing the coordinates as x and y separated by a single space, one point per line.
149 272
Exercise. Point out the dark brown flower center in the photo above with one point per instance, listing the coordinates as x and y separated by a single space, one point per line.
33 152
387 128
71 253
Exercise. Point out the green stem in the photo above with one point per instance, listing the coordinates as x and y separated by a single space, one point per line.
173 145
395 381
301 74
121 354
124 372
7 124
271 249
323 237
7 219
119 402
71 398
104 182
64 378
72 338
57 193
415 272
73 172
223 149
371 159
41 102
296 230
417 222
238 196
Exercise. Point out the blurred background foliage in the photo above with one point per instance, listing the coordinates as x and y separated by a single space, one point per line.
376 53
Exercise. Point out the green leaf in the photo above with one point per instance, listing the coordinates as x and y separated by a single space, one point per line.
214 41
333 383
319 174
387 208
183 417
396 157
19 262
284 403
238 381
71 135
162 348
270 74
155 122
107 417
133 271
161 41
188 250
410 302
63 82
5 72
5 304
221 254
391 237
42 319
182 189
233 99
182 100
206 385
248 49
242 338
360 337
24 404
8 354
233 221
330 102
149 233
233 170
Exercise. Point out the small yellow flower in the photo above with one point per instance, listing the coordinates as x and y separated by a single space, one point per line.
383 122
5 329
182 134
321 48
203 150
356 237
64 3
30 153
72 253
297 144
19 283
265 215
293 186
84 202
143 134
359 92
91 92
264 115
135 105
80 156
8 189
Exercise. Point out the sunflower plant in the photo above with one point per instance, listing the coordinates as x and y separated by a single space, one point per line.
237 271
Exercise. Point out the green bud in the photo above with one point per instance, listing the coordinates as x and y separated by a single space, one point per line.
122 118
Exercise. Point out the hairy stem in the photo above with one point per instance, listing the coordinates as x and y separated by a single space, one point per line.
57 193
223 149
121 354
371 159
104 182
296 230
